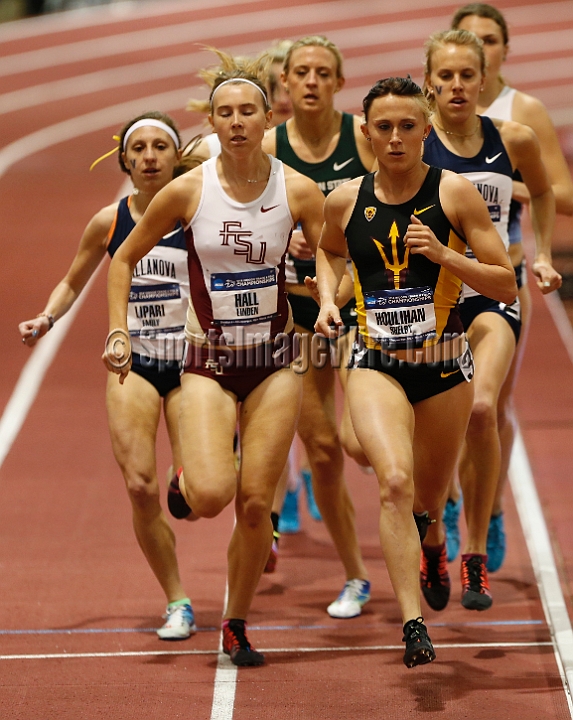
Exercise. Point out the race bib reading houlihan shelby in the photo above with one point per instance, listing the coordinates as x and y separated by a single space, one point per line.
400 317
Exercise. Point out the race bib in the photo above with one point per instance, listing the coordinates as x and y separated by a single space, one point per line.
244 298
466 363
400 315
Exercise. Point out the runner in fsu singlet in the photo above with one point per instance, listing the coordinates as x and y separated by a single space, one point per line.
238 210
406 228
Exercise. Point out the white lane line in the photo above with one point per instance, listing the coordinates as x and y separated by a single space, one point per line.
414 30
543 562
32 375
224 689
100 16
225 683
561 320
111 116
225 678
176 34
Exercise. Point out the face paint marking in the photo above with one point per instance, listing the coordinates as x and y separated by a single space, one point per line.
132 163
439 89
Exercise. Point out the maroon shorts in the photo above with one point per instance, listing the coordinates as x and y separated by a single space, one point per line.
241 371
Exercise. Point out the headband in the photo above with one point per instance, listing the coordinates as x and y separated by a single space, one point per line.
235 80
150 122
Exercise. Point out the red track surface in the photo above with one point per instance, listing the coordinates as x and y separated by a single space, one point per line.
70 565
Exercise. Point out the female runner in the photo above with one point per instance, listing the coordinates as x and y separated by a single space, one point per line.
148 153
327 146
487 152
238 210
406 228
499 100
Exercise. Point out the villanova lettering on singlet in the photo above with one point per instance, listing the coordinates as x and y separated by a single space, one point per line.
155 266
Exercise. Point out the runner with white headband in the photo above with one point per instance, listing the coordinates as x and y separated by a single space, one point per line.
238 210
158 302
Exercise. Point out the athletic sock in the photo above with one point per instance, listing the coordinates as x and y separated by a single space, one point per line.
176 603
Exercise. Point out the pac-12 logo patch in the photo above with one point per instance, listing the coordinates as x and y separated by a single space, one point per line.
369 213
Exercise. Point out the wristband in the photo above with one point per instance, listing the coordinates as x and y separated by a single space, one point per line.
50 319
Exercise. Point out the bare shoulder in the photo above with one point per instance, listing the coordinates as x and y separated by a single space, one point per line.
103 220
516 135
457 194
344 196
299 184
270 142
454 184
186 184
529 110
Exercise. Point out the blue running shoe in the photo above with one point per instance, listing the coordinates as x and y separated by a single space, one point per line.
313 510
289 521
451 519
495 543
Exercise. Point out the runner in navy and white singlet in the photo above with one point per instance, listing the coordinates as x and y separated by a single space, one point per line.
499 100
406 228
148 148
487 152
238 210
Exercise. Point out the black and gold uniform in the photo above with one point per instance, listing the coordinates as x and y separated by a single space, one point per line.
344 164
405 301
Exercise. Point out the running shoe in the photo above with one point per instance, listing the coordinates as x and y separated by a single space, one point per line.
422 523
271 565
419 648
495 543
475 587
175 501
434 576
180 623
451 519
355 594
236 645
313 510
289 522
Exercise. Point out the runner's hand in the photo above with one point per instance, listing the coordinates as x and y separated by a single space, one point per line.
32 330
548 279
117 354
328 321
298 247
420 239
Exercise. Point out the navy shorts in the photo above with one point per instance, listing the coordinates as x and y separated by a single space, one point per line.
163 375
471 307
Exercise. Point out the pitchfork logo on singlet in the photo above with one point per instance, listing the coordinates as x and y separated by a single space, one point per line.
395 267
234 233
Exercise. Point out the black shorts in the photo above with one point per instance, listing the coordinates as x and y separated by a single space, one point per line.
305 312
240 372
164 375
471 307
419 381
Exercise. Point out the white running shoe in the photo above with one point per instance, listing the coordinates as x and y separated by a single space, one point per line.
180 623
355 594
